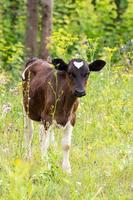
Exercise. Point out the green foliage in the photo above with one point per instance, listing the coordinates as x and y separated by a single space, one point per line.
12 57
82 17
12 28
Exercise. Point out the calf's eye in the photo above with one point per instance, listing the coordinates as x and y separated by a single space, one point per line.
71 75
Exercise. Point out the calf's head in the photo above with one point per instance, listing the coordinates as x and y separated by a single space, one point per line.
78 72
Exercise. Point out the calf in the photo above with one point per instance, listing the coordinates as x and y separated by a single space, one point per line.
50 96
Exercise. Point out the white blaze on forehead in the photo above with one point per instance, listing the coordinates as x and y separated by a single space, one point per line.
78 64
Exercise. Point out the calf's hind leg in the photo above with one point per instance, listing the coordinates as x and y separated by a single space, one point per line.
28 134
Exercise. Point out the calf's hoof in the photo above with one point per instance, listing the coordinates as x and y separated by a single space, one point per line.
67 169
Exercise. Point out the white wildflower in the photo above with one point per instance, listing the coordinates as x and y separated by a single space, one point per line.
6 108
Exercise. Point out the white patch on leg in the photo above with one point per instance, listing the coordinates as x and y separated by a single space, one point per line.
78 64
44 140
52 139
28 134
66 143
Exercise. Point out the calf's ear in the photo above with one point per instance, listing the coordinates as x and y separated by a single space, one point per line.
59 64
97 65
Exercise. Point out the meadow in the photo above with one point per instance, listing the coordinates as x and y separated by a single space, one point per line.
102 145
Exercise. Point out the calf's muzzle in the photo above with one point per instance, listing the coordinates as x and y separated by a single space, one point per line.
80 93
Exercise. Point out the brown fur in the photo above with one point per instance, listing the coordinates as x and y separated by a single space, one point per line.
47 94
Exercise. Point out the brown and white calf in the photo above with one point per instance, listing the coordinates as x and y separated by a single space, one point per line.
50 96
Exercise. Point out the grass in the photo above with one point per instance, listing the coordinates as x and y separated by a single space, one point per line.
101 153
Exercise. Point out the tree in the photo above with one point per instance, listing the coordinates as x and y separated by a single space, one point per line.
46 28
32 25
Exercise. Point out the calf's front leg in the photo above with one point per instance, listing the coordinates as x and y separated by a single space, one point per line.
66 144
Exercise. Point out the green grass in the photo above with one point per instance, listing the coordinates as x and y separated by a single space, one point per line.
101 153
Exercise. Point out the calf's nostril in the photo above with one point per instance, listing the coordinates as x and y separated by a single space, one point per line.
79 93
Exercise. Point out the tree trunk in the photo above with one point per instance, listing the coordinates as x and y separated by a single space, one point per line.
46 28
32 25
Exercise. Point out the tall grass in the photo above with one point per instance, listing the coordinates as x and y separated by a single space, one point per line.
101 153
